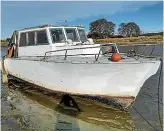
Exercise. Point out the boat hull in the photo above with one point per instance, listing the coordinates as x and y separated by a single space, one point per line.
118 83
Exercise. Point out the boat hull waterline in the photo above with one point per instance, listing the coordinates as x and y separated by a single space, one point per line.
119 83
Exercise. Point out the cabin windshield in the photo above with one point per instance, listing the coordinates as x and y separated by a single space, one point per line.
57 35
13 38
82 35
72 34
109 49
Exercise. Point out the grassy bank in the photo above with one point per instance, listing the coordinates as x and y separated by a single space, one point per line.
156 39
133 40
4 43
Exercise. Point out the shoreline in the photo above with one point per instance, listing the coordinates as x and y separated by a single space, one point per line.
4 46
140 43
135 43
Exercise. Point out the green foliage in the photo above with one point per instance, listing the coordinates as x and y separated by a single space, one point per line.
101 28
129 29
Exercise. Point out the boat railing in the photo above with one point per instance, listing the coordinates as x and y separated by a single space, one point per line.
95 54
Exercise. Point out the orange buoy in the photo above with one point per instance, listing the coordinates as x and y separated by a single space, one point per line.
116 57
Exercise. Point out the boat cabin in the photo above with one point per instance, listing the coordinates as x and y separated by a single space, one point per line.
36 41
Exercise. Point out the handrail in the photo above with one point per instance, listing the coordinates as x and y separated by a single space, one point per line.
77 49
70 49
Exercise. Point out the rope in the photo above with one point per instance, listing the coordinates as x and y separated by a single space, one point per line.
145 119
159 116
158 94
141 53
152 50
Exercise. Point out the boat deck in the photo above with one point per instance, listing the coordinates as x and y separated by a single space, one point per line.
89 59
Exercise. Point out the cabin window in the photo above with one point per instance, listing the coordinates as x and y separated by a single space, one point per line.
31 38
71 34
13 40
22 39
57 35
82 35
108 49
42 37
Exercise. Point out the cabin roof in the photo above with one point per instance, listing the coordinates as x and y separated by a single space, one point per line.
50 25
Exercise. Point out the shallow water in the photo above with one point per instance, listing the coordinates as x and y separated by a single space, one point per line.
25 107
42 106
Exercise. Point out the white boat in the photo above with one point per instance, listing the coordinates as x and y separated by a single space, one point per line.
62 59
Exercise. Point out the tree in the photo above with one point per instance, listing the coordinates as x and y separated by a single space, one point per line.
129 29
122 30
101 28
7 39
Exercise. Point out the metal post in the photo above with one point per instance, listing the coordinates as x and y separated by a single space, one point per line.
45 55
98 54
65 55
95 57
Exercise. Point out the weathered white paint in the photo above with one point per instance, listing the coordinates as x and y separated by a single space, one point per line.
4 73
77 51
79 75
39 50
34 50
114 79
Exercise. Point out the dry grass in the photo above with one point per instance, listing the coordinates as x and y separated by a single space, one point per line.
4 43
133 40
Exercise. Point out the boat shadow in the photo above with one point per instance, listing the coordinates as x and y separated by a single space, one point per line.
67 114
67 107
